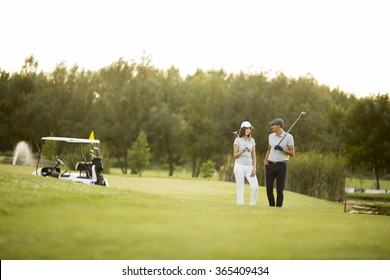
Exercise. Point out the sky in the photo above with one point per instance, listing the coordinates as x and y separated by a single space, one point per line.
341 43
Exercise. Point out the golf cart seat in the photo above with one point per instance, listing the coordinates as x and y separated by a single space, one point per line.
84 168
52 172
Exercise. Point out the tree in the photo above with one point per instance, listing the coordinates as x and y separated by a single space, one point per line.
367 136
127 92
139 154
205 126
6 108
336 123
248 99
19 92
166 128
63 106
165 125
114 109
336 127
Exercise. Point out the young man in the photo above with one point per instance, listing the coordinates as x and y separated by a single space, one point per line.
275 161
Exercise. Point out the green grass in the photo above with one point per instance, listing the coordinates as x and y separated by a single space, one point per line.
366 183
174 218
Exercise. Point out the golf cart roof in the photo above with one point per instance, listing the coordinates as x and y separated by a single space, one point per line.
72 140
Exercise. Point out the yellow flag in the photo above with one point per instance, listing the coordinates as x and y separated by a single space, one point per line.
92 136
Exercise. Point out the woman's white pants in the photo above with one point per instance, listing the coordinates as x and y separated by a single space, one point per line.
241 172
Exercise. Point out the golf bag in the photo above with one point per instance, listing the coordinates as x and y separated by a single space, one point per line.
92 169
97 169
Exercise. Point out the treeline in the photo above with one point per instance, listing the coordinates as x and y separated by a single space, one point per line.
191 119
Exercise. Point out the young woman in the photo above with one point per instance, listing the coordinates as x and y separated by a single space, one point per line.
244 153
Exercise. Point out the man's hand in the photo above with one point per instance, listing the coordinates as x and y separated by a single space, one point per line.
278 148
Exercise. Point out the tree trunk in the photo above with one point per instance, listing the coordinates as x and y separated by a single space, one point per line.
376 171
171 167
193 169
197 170
122 165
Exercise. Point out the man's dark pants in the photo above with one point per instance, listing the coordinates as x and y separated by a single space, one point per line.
275 171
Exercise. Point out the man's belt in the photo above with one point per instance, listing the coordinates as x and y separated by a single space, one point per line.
276 162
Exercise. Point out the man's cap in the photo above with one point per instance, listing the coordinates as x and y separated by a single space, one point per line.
278 121
246 124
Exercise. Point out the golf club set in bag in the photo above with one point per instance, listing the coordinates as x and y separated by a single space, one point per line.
235 133
94 168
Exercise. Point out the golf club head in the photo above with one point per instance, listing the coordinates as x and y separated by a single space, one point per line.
303 113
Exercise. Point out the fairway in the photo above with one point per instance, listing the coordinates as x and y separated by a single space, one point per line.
170 218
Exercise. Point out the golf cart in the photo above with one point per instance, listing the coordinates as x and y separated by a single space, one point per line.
87 172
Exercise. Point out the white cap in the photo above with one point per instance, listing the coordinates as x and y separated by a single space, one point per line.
246 124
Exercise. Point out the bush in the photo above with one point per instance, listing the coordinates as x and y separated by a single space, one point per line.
317 175
207 169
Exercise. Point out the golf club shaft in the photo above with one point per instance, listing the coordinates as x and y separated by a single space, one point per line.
302 113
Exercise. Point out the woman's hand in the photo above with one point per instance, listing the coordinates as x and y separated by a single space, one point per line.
253 173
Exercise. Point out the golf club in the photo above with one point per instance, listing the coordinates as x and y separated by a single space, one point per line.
235 133
302 113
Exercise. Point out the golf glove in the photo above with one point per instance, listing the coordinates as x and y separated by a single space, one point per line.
278 148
